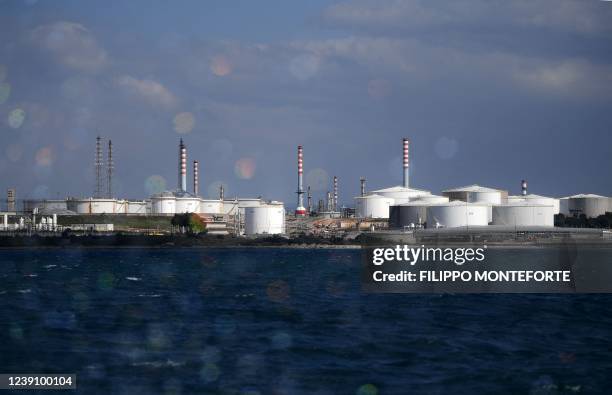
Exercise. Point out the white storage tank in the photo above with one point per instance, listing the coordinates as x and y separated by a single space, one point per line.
45 205
588 204
413 213
211 206
537 200
401 194
268 219
92 206
121 207
187 204
457 214
163 204
373 206
232 206
524 214
477 194
136 207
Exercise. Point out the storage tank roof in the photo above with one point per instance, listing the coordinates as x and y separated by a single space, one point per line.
176 194
472 188
399 188
585 195
530 196
459 203
523 204
419 203
372 196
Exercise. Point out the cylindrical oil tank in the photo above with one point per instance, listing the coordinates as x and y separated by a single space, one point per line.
537 200
408 215
211 206
233 206
489 197
187 204
457 214
103 206
137 207
413 213
264 219
431 199
564 206
588 204
401 194
373 206
91 206
524 214
121 207
163 204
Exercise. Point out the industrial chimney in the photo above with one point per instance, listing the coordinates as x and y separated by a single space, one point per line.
362 180
406 164
335 194
195 178
300 210
309 199
221 193
524 187
109 171
98 164
182 179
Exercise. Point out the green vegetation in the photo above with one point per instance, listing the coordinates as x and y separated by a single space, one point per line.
603 221
189 223
121 222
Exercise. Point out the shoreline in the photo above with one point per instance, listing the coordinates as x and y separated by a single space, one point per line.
125 241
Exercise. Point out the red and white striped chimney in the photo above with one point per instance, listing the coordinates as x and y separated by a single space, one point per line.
182 180
196 179
300 210
524 188
406 182
335 193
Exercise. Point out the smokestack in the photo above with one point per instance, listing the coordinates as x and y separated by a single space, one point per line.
98 165
300 210
335 193
109 170
182 179
309 197
406 164
221 193
329 201
10 199
362 180
195 178
524 188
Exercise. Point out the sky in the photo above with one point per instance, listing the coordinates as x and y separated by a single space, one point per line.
488 92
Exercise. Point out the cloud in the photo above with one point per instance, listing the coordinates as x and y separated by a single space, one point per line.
581 17
570 77
411 60
152 92
72 45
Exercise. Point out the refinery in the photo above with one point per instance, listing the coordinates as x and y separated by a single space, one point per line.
400 208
